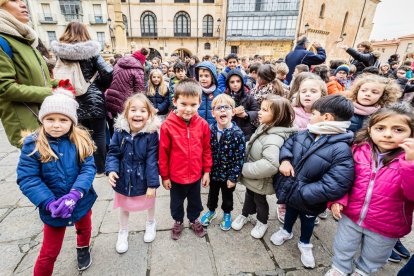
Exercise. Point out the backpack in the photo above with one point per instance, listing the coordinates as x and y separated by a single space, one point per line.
70 70
4 45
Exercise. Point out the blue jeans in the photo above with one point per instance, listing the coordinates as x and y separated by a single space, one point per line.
307 223
408 269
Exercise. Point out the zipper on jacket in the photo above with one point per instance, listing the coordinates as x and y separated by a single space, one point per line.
129 187
188 146
368 197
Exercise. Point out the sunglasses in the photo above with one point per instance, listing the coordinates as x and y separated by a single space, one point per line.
220 107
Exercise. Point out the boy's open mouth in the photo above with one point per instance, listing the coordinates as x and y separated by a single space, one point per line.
223 116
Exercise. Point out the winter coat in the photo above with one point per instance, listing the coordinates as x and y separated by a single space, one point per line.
134 158
223 76
128 79
302 56
250 82
171 87
162 103
44 182
206 99
92 103
361 60
334 87
357 122
191 71
324 171
262 159
302 118
185 151
228 153
381 199
24 84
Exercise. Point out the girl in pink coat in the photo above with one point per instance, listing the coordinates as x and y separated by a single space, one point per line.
378 209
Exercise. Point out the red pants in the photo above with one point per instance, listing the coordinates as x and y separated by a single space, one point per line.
53 240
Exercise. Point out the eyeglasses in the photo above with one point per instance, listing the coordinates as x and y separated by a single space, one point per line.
220 107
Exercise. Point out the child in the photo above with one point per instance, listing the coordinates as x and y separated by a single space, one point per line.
368 94
205 73
157 93
338 81
227 146
179 75
316 167
267 83
385 70
262 162
131 165
232 62
300 68
246 105
155 63
56 170
281 72
164 68
185 157
378 210
250 79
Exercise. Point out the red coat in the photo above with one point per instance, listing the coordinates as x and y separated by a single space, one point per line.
185 151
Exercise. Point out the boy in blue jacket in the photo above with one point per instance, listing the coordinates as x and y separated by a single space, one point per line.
232 62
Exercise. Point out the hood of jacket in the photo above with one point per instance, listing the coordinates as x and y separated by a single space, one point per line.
210 67
76 51
129 62
284 132
232 73
152 125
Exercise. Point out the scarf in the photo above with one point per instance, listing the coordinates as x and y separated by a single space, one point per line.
363 110
139 56
209 90
342 82
11 26
329 127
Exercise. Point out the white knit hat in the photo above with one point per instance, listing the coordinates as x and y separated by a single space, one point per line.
62 102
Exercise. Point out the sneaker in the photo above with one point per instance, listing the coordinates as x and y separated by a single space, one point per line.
400 249
335 272
359 272
208 217
394 258
281 211
176 230
279 237
317 221
122 242
306 255
198 229
239 222
323 215
259 230
150 231
226 223
84 258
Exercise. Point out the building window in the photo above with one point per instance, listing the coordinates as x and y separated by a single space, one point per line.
181 1
147 1
125 21
263 5
97 11
101 39
363 23
234 49
409 47
207 46
182 24
208 26
123 1
148 24
51 36
208 1
71 9
322 12
47 14
344 24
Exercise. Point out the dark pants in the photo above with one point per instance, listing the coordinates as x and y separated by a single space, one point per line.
408 269
226 193
180 192
98 128
307 223
256 203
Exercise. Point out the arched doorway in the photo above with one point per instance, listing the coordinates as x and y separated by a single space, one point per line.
153 53
183 53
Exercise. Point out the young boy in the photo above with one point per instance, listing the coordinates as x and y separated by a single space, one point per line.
205 73
282 71
251 78
232 62
180 73
338 81
227 146
324 170
185 157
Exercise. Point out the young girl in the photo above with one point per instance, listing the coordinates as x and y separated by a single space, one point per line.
276 119
158 93
378 209
368 94
56 170
132 165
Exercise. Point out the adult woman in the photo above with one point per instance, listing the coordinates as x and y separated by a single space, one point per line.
363 56
24 76
75 45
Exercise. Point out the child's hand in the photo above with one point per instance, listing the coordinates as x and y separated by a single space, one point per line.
230 184
286 169
151 192
242 115
205 181
113 176
408 146
166 184
336 209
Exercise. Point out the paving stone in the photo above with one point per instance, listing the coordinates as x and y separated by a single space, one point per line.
232 248
3 211
103 189
12 196
19 224
10 256
10 159
7 171
308 272
25 202
326 231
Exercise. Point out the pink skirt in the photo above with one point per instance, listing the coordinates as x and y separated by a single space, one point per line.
133 203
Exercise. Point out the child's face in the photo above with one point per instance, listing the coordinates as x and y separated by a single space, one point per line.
186 106
235 83
384 68
232 63
204 78
389 133
369 93
156 79
265 113
341 75
180 74
171 72
317 117
253 75
394 66
137 116
155 64
309 92
281 76
56 125
401 74
192 61
223 113
164 69
222 62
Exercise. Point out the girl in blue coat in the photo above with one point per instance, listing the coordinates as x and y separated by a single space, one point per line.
55 171
158 93
132 165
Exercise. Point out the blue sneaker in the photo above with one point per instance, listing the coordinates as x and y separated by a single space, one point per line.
208 217
394 258
226 223
400 249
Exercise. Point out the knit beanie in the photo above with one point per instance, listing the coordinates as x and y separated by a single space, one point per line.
343 67
62 102
141 57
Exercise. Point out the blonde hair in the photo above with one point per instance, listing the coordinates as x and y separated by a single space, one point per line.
319 81
223 99
282 68
392 90
75 32
162 88
142 98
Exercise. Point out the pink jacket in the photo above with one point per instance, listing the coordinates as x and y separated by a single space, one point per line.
301 118
381 199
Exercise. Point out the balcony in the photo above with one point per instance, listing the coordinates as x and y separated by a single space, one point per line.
45 18
97 19
171 33
73 17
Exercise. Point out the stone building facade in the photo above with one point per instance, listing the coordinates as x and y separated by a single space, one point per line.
402 46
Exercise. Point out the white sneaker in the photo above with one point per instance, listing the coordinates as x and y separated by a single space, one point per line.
323 215
239 222
358 272
306 255
335 272
258 230
122 242
150 231
281 212
279 237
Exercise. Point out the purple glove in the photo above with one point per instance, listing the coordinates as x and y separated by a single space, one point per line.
66 204
52 207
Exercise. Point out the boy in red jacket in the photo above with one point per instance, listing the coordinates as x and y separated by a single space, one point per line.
185 156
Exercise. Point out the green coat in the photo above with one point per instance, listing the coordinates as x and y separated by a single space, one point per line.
23 80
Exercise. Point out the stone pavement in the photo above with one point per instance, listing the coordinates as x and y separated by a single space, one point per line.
219 253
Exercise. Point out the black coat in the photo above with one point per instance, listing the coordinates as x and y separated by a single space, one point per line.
361 60
302 56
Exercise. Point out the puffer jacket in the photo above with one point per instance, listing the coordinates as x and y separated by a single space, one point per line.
361 60
357 122
92 103
324 171
134 158
128 78
43 182
162 103
334 87
262 158
381 199
221 79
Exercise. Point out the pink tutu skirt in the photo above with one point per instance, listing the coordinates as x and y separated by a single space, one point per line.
133 203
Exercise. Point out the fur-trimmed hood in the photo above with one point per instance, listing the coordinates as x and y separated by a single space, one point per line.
76 51
152 125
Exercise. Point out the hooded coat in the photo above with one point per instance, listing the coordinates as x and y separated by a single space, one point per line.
221 79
